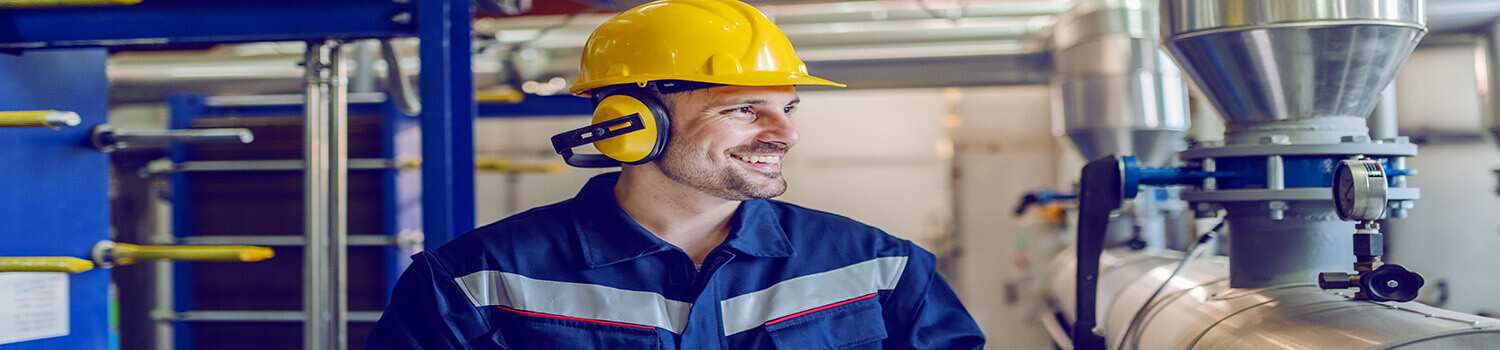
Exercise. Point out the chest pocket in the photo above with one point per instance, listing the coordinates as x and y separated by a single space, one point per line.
852 325
525 330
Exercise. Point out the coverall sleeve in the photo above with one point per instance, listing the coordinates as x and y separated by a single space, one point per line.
428 310
924 313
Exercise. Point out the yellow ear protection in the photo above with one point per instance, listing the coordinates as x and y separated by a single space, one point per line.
630 126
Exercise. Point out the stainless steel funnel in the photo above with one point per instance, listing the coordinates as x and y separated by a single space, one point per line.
1115 92
1283 63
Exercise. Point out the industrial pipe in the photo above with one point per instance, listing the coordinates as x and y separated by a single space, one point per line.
325 164
38 119
62 264
107 139
109 254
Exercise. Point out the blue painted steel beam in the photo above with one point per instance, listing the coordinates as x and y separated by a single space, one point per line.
447 84
199 21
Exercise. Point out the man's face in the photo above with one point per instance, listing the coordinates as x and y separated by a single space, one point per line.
728 141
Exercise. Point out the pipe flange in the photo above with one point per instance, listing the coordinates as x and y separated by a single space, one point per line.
1368 149
1291 194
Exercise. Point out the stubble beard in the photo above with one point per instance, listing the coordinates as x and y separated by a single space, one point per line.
691 166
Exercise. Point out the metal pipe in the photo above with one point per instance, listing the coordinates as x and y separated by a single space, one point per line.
107 139
369 240
1199 310
252 316
408 101
1489 79
318 329
338 208
38 119
1382 123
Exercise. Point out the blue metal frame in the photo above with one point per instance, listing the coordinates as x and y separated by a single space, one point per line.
55 202
198 21
447 120
183 108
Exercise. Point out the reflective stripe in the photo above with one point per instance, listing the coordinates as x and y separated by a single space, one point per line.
745 312
577 300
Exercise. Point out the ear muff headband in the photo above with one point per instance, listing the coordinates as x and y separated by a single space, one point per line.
630 126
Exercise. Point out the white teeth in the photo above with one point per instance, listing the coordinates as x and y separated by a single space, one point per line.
761 159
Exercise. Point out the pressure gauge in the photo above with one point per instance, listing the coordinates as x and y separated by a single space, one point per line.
1359 190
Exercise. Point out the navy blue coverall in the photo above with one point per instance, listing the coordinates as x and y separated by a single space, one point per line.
581 274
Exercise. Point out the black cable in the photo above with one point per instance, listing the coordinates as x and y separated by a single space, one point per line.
1193 252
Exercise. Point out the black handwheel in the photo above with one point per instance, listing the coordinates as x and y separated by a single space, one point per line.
1391 282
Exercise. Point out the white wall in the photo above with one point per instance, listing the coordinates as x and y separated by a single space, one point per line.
1004 149
1448 235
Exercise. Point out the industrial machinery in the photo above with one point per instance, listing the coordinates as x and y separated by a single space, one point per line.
1294 81
1115 92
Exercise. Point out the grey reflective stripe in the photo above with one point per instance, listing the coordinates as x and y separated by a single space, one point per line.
580 300
745 312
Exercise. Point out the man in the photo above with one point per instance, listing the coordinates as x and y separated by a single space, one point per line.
682 248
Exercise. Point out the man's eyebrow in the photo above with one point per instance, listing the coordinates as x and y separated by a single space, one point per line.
742 102
794 101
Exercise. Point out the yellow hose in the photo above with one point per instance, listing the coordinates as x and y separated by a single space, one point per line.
126 254
38 119
45 264
63 3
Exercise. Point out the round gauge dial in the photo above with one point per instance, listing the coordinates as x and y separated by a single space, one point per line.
1359 189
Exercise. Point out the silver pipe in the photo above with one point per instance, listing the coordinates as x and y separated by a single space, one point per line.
318 329
1382 123
408 101
338 208
282 100
251 316
167 167
1489 79
1199 310
363 80
162 302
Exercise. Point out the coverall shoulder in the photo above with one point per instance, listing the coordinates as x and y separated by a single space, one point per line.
581 274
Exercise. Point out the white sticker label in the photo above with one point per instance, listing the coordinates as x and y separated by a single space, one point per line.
33 306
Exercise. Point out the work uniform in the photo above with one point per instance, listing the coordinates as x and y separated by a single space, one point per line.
581 274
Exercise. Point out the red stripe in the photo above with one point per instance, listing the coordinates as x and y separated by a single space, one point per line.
569 318
820 308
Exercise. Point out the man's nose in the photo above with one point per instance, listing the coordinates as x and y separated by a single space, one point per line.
779 129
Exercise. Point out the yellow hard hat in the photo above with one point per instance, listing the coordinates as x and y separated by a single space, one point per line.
711 41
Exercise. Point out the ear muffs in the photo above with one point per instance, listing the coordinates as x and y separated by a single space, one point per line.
630 126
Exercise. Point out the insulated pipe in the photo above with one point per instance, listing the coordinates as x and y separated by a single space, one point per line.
1197 309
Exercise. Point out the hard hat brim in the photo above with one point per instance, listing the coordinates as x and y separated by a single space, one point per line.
748 79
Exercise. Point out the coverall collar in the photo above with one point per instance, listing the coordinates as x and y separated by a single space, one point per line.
607 235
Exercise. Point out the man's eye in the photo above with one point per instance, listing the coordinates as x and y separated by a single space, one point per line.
746 110
788 109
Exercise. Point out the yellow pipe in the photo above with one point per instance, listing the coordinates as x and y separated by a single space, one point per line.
63 3
123 254
502 95
38 119
501 165
45 264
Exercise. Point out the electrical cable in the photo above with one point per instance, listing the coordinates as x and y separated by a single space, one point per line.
1192 253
